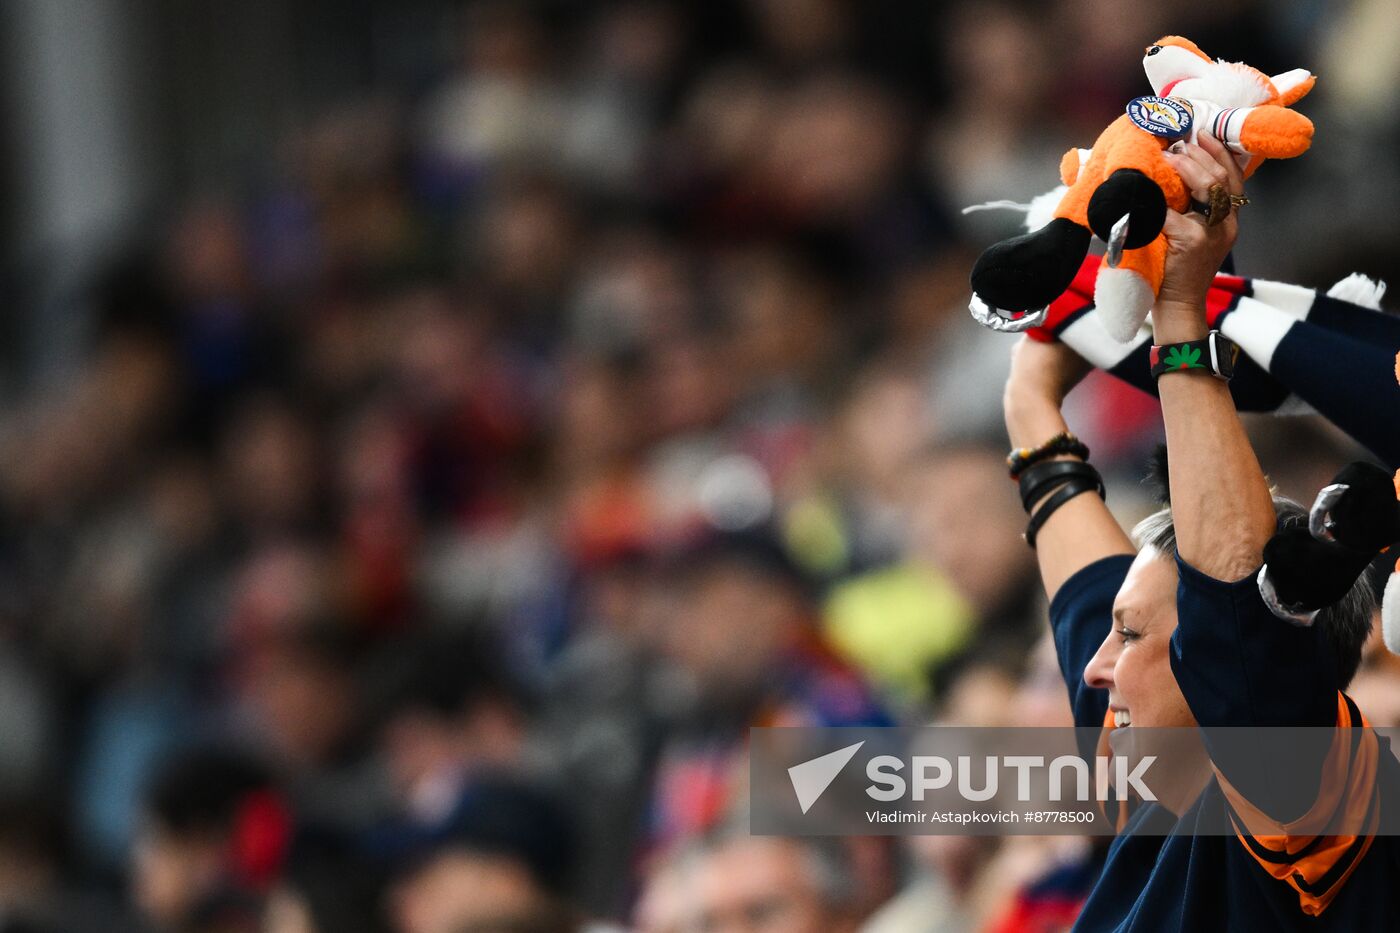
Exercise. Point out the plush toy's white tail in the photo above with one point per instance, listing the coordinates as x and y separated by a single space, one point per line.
1390 613
1123 299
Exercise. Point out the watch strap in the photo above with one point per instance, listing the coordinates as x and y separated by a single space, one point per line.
1215 354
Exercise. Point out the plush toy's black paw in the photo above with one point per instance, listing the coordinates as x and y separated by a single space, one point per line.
1366 516
1028 272
1311 574
1128 191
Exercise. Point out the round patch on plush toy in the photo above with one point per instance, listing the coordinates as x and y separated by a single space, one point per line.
1161 116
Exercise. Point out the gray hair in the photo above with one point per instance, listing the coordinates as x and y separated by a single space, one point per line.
1346 624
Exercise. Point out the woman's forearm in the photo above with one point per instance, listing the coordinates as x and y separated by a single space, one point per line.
1082 530
1221 505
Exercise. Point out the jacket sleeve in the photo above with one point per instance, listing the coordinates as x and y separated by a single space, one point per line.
1239 666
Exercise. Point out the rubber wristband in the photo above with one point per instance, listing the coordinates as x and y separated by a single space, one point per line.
1215 354
1040 478
1063 443
1062 495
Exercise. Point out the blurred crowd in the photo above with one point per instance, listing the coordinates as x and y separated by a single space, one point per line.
429 518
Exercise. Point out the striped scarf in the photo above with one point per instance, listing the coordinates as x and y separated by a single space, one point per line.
1305 350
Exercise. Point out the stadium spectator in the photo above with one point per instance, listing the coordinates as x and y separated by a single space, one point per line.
214 840
730 881
500 860
1169 629
743 632
450 713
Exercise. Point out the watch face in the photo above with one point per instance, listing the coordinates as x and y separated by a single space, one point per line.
1224 352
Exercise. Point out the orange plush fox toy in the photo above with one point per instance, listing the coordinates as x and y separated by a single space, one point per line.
1121 189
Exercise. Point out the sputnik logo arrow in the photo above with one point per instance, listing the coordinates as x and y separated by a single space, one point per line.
811 778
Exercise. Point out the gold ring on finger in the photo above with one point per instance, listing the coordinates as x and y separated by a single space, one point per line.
1238 200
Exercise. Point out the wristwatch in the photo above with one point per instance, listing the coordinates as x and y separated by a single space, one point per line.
1216 354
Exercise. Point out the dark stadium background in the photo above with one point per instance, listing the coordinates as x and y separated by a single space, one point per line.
467 418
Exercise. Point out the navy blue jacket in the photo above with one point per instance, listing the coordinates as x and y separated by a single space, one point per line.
1237 665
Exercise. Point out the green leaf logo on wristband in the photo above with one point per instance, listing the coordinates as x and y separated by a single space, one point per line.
1183 357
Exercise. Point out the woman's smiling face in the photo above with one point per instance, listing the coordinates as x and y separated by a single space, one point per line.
1133 662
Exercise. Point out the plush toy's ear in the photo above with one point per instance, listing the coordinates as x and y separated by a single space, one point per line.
1293 85
1070 164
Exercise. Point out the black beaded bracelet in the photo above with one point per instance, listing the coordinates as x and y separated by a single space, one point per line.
1064 443
1062 495
1040 478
